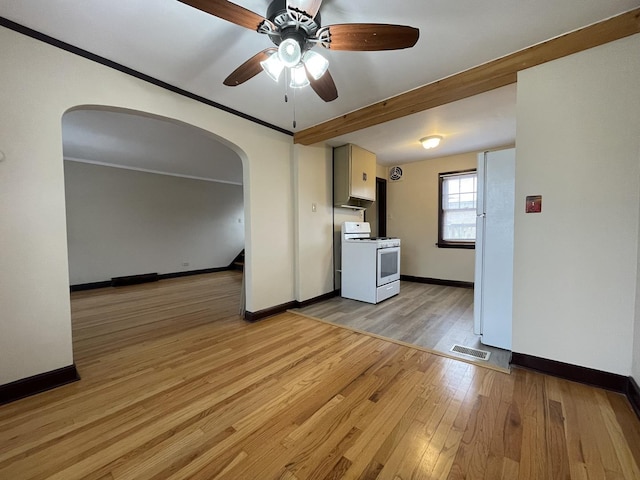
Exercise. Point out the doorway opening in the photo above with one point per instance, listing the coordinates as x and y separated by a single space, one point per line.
148 197
381 201
376 214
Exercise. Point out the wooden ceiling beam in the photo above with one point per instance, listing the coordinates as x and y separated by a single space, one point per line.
480 79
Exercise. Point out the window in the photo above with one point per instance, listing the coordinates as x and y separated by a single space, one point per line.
457 209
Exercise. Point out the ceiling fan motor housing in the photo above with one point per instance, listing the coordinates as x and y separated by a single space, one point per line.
288 27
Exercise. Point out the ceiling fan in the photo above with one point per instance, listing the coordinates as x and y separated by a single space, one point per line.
294 26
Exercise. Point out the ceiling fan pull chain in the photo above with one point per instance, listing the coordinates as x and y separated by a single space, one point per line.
294 108
286 85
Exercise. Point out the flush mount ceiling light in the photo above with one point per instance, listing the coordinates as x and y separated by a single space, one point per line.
295 27
432 141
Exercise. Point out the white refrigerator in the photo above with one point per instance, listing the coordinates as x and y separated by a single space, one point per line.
493 288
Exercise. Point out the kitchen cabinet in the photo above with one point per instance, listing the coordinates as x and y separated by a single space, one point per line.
354 176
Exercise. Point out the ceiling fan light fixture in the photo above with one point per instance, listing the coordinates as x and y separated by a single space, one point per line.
432 141
273 66
299 77
316 64
294 27
290 52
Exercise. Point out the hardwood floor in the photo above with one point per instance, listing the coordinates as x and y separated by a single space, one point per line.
434 317
176 386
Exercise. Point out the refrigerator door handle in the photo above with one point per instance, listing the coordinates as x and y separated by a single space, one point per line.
479 276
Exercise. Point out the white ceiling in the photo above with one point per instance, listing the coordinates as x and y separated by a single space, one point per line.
187 48
477 123
148 144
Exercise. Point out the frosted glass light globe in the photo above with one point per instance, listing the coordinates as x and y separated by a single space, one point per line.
289 52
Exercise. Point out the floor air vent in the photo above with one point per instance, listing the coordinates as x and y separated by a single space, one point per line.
471 352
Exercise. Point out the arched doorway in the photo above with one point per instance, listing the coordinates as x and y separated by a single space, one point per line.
148 198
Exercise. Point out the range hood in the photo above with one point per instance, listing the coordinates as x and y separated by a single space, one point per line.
354 177
356 204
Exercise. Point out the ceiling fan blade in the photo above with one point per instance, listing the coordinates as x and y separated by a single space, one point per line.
248 69
369 37
325 87
310 7
231 13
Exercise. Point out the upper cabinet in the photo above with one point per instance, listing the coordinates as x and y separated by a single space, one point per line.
354 177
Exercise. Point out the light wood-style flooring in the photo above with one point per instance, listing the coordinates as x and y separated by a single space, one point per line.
176 386
434 317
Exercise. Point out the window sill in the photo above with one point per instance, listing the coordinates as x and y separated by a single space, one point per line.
468 246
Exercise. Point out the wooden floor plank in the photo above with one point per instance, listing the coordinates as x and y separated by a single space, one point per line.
434 317
176 386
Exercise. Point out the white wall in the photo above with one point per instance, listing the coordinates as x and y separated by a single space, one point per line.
576 263
39 84
382 171
124 222
341 215
314 245
412 215
316 262
635 367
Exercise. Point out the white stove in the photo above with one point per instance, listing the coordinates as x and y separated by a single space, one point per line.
381 242
370 265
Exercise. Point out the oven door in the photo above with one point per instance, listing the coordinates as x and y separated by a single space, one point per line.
388 265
